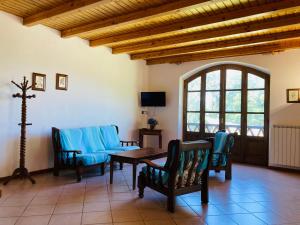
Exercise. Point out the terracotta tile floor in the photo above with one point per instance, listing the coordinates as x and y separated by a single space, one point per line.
255 196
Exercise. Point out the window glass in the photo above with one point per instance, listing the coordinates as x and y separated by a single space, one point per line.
212 101
233 123
195 85
233 79
233 101
193 122
256 100
255 82
213 80
193 103
211 122
255 125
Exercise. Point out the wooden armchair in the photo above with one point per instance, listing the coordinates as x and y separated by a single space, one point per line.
185 171
223 144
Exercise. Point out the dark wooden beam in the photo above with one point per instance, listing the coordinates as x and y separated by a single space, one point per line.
161 10
207 34
239 51
65 8
220 44
199 21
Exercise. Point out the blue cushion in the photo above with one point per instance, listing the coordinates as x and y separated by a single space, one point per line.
109 137
71 139
91 139
126 148
164 175
92 158
219 147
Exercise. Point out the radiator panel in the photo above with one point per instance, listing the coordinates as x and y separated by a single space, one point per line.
285 147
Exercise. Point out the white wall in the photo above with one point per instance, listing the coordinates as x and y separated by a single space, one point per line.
283 67
103 89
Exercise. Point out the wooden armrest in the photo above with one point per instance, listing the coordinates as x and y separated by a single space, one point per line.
153 165
72 151
129 141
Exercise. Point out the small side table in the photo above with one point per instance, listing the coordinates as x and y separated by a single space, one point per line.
146 131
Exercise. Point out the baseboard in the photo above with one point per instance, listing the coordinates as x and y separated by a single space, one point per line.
284 169
37 172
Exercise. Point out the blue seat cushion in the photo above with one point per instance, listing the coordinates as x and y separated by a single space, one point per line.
110 137
92 158
219 147
164 175
126 148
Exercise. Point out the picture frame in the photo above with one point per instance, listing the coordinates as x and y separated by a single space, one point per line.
61 81
293 95
38 82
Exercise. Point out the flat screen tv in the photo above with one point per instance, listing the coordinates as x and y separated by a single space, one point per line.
153 98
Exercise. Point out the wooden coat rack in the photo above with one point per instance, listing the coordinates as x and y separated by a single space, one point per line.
22 171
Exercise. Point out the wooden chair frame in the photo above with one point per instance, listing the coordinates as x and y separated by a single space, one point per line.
144 180
68 159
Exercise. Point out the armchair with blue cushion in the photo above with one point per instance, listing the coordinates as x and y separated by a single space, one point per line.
185 171
223 144
86 148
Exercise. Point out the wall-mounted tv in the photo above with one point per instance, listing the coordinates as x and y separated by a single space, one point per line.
153 98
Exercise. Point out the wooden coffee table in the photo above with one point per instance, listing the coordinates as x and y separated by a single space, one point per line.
134 157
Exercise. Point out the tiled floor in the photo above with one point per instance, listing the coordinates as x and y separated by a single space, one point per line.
255 196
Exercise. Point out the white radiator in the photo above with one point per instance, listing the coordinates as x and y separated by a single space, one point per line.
285 147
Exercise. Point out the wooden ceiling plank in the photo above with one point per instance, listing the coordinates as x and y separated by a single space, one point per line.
213 33
199 21
268 37
161 10
242 51
66 8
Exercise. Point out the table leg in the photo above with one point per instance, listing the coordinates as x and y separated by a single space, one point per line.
111 178
160 141
134 176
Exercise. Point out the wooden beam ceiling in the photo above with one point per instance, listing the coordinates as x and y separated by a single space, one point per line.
199 21
240 51
170 31
240 41
212 33
134 17
66 8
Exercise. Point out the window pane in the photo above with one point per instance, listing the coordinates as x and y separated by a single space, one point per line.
213 80
211 122
193 103
255 125
255 81
195 85
256 101
233 122
233 79
212 101
193 122
233 101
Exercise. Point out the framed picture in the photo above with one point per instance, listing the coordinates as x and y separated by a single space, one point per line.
293 95
61 81
38 82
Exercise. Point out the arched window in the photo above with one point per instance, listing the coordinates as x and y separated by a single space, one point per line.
230 97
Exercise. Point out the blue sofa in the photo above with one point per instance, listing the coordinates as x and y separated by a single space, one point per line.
87 147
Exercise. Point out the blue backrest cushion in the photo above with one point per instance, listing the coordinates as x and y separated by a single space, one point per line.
110 137
91 138
219 147
71 139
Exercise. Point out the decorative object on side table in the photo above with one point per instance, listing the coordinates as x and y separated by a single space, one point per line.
61 81
152 122
293 95
38 82
22 172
